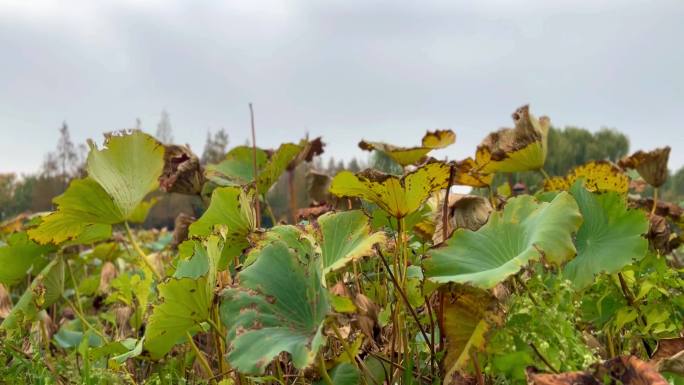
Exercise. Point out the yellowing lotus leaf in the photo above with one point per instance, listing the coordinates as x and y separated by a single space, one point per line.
412 155
469 316
598 176
439 139
398 196
467 173
652 165
556 183
522 148
84 205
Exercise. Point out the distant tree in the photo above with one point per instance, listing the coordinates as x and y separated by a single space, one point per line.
164 133
67 156
50 166
138 124
332 167
673 190
353 166
215 147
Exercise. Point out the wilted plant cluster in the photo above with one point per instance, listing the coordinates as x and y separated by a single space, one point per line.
385 279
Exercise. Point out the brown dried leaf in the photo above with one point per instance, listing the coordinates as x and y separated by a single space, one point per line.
663 208
312 212
5 302
652 165
107 274
669 356
181 228
311 149
659 234
465 211
182 171
626 370
367 316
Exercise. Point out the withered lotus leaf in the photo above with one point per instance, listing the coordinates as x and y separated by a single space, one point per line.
626 370
182 172
465 212
411 155
522 148
652 165
669 357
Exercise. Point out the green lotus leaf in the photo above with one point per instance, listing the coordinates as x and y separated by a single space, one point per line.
128 168
343 374
293 236
231 212
83 206
18 256
526 230
279 306
185 303
277 165
45 289
610 238
516 149
412 155
469 315
238 169
140 213
398 196
346 236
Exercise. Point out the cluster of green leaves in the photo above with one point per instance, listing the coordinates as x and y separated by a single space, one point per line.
408 289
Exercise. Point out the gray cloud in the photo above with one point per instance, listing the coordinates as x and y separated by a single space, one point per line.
344 70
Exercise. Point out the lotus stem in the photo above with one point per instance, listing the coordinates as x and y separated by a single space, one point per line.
345 345
476 365
632 302
655 200
408 305
140 251
541 357
254 167
200 356
322 371
546 175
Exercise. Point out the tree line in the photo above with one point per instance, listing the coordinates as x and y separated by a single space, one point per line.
567 147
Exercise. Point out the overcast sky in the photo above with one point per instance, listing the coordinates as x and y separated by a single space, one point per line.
345 70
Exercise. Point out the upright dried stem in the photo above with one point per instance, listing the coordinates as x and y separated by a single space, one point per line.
257 207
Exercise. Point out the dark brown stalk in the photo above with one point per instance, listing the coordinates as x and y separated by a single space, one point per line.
254 167
476 365
445 208
293 195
